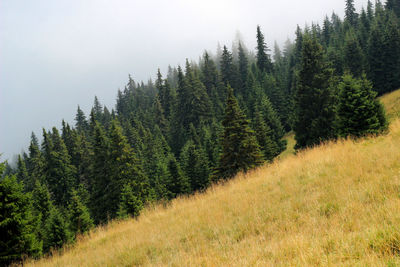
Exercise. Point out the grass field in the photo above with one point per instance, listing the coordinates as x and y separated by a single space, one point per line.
337 204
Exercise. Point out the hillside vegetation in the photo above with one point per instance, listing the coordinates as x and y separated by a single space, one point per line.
337 204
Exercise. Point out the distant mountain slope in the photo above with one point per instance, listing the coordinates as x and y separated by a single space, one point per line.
337 204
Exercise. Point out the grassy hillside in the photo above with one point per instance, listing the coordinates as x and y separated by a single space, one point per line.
338 204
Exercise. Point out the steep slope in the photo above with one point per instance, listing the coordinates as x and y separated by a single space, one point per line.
337 204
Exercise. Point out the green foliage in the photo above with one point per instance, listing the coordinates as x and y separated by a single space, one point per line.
263 59
195 165
358 109
240 150
178 182
16 222
265 137
81 123
315 112
57 233
80 221
60 173
354 61
130 204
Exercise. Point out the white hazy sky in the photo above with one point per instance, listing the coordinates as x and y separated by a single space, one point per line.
55 55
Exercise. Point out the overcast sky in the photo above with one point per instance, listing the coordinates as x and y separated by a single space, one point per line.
55 55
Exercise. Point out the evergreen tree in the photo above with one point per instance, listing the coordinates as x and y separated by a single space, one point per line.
359 113
243 71
354 61
393 5
228 69
130 204
263 59
240 150
124 168
265 137
80 221
376 59
391 54
57 233
22 172
315 114
101 173
350 12
16 222
178 182
97 109
195 165
81 123
42 205
272 120
60 175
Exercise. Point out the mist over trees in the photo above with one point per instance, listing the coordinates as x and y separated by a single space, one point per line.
200 123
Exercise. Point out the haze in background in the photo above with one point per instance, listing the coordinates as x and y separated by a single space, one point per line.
55 55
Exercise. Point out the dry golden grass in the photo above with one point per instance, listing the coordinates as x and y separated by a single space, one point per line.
391 102
334 205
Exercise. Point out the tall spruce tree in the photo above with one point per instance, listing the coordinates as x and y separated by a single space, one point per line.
315 103
81 123
240 150
60 173
353 55
263 59
228 69
124 168
350 12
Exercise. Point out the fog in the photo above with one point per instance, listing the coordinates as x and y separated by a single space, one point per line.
55 55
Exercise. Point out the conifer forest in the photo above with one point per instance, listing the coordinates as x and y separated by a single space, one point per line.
199 124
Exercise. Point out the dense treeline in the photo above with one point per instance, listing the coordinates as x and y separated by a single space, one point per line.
200 124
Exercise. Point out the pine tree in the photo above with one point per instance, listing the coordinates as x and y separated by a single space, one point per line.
263 59
272 120
80 221
354 58
391 53
42 205
393 5
376 58
358 110
243 72
240 150
61 174
315 114
16 222
81 123
101 174
124 168
178 182
195 165
228 69
97 109
350 12
22 172
57 233
265 137
130 204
